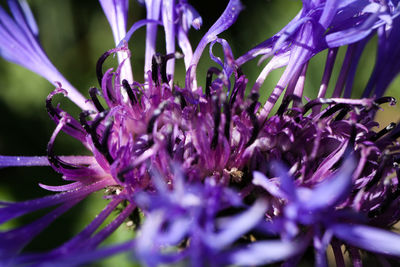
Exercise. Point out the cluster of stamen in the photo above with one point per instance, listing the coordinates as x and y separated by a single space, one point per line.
220 135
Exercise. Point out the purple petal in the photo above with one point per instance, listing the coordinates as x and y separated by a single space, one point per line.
153 13
272 188
332 190
110 228
18 44
237 226
168 18
116 12
14 240
13 210
287 182
14 161
19 161
369 238
266 252
80 257
227 18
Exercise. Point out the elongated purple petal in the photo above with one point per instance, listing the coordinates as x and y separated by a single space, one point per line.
332 190
239 225
369 238
116 12
18 161
14 240
227 18
19 44
266 252
13 210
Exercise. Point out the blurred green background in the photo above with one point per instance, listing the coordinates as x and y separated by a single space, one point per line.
74 34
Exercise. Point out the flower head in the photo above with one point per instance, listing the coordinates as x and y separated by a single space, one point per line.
207 165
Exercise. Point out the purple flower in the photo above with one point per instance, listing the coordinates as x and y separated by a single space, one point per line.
199 171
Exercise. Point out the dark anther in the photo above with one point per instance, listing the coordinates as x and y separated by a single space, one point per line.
251 111
71 125
316 102
384 131
182 100
349 148
210 72
155 67
335 109
170 145
234 94
121 174
385 204
394 134
93 133
83 121
352 142
92 130
286 101
50 109
58 163
342 113
227 112
217 121
163 68
93 92
385 99
153 119
379 172
134 217
106 134
239 71
129 90
99 66
159 66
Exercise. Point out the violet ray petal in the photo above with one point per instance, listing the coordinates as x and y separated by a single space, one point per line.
116 12
73 246
110 228
18 44
75 243
332 190
227 18
266 252
229 63
62 188
190 17
369 238
287 183
168 18
329 13
152 12
79 257
176 232
27 15
137 25
261 180
237 226
14 240
19 161
13 210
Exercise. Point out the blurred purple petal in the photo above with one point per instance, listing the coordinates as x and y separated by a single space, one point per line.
266 252
369 238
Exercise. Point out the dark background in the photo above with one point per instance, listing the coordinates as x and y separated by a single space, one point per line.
74 34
